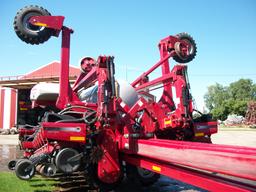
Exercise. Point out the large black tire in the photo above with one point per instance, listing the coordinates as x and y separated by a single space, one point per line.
27 32
192 52
141 176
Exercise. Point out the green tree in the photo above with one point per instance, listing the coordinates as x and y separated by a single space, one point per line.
233 99
243 89
239 107
215 96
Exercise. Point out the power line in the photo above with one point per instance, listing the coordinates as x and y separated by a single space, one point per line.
221 75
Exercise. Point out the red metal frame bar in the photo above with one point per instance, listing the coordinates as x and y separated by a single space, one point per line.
64 95
155 82
164 59
46 149
90 77
54 22
229 160
204 180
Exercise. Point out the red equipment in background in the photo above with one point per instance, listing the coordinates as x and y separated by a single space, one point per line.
95 129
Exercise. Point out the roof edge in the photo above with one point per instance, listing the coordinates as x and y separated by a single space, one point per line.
54 61
41 67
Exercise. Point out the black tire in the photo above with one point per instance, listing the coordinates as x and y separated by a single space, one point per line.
192 52
12 164
141 176
17 162
24 169
27 32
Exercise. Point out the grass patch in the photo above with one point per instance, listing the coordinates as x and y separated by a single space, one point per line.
10 183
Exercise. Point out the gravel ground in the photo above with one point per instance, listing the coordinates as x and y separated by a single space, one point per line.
243 137
232 136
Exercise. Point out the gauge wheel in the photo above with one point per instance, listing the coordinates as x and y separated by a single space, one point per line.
26 31
24 169
179 57
12 164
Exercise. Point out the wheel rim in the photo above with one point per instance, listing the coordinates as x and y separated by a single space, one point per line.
184 54
27 25
63 163
178 49
25 170
191 50
49 170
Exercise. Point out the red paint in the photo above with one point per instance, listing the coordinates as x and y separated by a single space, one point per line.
230 160
55 22
63 131
50 70
65 95
205 180
13 107
2 94
108 166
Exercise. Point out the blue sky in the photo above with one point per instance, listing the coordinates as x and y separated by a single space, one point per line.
130 30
